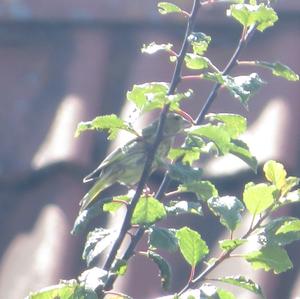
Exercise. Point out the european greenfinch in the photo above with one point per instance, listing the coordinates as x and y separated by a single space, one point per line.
126 163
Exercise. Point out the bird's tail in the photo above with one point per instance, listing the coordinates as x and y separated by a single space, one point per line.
91 196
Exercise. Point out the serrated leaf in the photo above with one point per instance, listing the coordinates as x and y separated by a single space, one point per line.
240 149
93 278
196 62
218 135
234 124
191 245
154 47
164 268
184 207
289 226
154 95
167 8
270 258
243 282
280 70
203 189
248 15
163 238
69 289
148 211
228 208
184 173
114 206
97 241
188 154
229 245
268 236
275 173
199 42
111 123
258 198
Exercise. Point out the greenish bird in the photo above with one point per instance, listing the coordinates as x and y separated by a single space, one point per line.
126 163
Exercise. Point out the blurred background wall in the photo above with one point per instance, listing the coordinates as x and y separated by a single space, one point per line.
62 62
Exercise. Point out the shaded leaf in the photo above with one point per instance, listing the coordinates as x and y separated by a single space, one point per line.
191 245
148 211
184 173
243 282
184 207
97 241
229 209
203 189
270 258
162 238
164 268
258 198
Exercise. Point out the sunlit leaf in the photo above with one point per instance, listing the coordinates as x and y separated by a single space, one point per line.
258 198
148 211
199 42
167 8
196 62
275 173
231 244
153 48
191 245
184 207
270 258
94 278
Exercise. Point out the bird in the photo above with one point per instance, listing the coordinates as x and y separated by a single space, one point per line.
126 163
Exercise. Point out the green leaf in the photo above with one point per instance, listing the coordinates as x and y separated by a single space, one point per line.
203 189
262 16
229 245
269 235
207 291
290 183
120 267
167 8
184 173
188 154
280 70
218 135
234 124
199 42
289 226
275 173
258 198
229 209
191 245
184 207
97 241
240 149
65 290
114 206
87 215
163 238
153 48
243 282
164 268
111 123
291 197
270 258
148 96
154 95
196 62
148 211
94 278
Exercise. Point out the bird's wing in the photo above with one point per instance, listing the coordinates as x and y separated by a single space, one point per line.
111 158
